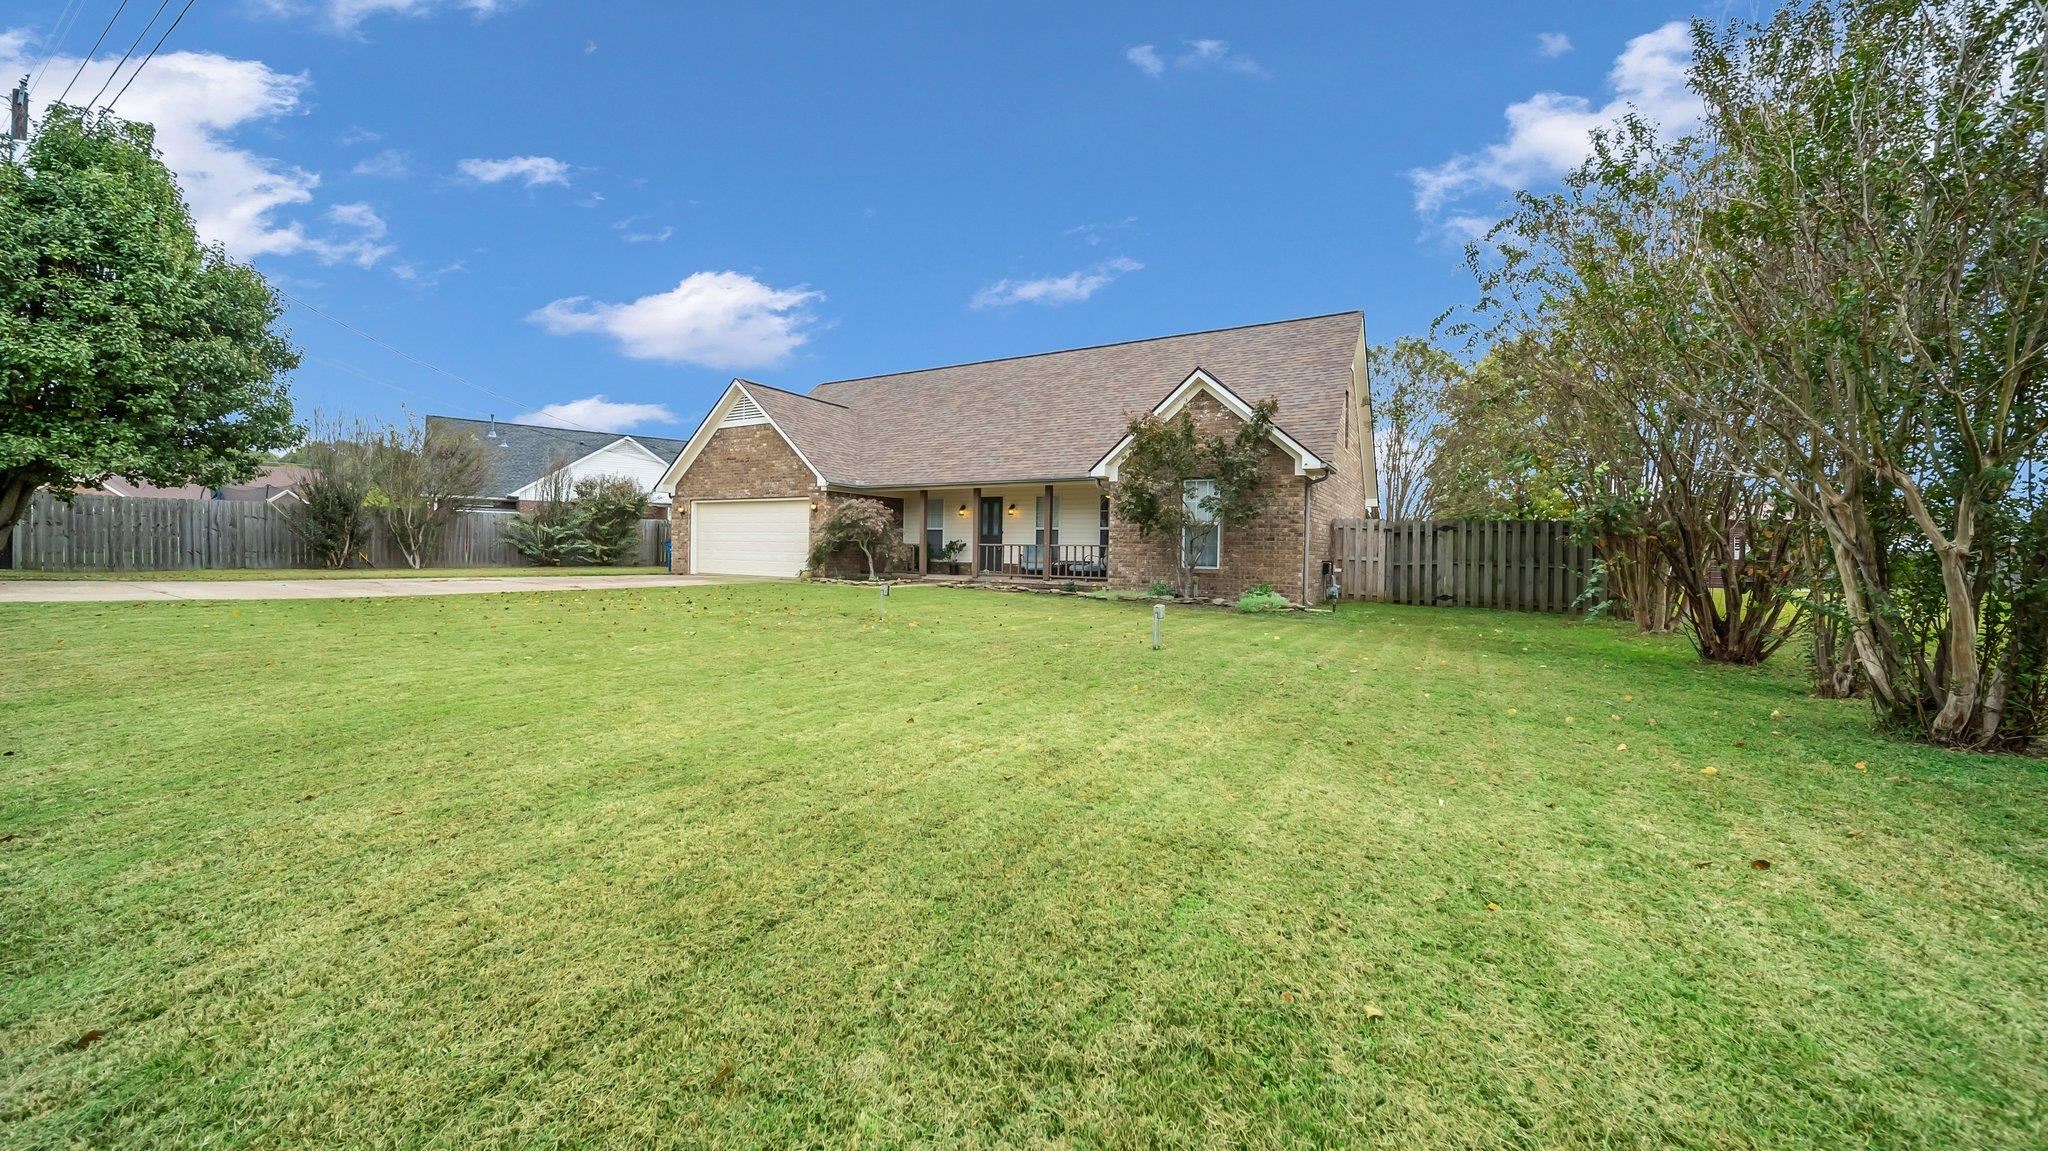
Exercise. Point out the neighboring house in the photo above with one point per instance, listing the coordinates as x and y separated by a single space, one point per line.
987 453
277 484
523 456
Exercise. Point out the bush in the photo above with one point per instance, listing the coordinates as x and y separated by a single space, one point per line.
1262 598
607 515
1160 589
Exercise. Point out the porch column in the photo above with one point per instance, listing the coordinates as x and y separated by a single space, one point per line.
924 537
1045 557
974 535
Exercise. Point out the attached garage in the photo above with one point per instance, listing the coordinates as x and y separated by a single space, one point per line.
750 537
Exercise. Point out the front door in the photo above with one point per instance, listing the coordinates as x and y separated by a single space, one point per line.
990 533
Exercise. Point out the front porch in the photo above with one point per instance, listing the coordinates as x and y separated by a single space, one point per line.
998 532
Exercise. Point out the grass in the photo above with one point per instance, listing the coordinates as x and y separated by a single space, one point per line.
740 867
329 573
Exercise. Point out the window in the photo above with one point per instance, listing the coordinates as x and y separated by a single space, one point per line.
1206 544
1038 521
1103 542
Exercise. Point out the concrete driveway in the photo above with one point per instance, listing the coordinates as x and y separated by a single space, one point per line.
104 591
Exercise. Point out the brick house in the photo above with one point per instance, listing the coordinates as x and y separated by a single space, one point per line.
977 459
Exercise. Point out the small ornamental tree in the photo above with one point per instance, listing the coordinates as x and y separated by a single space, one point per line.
859 523
126 347
421 476
1153 485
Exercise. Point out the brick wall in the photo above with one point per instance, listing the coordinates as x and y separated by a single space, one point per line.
1266 550
749 463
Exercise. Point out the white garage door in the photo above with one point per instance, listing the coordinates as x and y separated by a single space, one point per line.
750 537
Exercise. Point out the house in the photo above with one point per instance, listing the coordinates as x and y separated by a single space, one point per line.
990 453
524 456
276 484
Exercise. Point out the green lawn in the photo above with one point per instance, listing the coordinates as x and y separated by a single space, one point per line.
740 867
329 573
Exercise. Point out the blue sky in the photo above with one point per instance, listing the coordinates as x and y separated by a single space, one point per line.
639 201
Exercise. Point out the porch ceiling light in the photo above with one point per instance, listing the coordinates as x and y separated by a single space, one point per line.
1013 509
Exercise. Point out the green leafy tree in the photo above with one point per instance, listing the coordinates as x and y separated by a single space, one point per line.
1156 490
127 348
1874 238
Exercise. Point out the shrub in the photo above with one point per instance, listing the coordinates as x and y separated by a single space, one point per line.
1160 589
331 520
607 515
1262 598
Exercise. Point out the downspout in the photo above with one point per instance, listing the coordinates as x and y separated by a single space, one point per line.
1307 497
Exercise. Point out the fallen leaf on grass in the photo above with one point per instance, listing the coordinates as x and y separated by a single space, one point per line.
1760 864
1703 863
1710 771
1287 997
1621 747
89 1038
1862 766
723 1077
1372 1012
1493 907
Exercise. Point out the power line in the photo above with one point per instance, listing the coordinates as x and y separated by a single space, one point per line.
339 366
161 5
405 355
59 29
87 58
179 19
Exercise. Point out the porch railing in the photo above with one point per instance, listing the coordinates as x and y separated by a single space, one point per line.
1069 561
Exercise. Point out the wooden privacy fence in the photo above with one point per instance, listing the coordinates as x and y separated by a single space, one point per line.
1515 565
112 533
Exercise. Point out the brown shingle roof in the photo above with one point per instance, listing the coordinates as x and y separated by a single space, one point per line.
1053 415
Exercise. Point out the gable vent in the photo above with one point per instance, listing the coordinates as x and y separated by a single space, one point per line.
744 412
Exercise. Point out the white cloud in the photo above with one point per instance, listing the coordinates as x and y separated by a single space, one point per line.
596 412
532 170
1093 233
347 15
1552 44
198 102
1550 133
715 319
630 233
1197 55
389 164
1071 288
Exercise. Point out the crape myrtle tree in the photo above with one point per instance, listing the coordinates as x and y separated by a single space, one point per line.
1409 378
1174 482
332 519
421 476
127 348
1875 256
1598 282
1832 299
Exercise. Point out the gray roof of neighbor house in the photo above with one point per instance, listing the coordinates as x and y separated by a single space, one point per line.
523 453
1054 415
